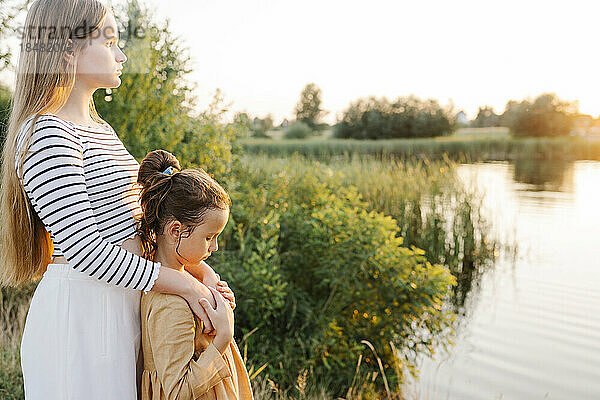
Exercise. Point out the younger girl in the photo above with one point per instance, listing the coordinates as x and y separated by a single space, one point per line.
183 214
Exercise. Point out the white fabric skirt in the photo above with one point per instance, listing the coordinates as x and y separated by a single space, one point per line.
81 339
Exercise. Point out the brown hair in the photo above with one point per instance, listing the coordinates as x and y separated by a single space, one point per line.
44 80
185 196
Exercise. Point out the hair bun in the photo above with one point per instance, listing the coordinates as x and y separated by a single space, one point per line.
153 165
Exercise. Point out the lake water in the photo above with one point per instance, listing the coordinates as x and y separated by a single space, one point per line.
531 328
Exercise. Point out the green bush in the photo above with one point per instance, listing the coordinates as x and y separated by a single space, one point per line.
298 130
260 126
317 273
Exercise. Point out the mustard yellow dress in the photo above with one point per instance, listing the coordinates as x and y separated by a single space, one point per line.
180 362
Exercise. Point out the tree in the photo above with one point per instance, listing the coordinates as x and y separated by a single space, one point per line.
511 112
268 122
242 119
547 115
486 117
209 143
308 109
297 130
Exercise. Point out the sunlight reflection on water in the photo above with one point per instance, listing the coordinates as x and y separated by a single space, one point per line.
532 331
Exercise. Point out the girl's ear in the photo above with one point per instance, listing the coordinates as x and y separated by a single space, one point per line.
173 230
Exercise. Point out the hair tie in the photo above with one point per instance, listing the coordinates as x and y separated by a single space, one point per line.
169 171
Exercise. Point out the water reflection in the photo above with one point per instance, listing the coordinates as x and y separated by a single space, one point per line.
544 175
531 329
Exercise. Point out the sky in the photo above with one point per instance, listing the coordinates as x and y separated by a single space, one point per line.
261 53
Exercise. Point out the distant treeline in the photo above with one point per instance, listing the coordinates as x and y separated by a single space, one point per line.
411 117
375 118
366 118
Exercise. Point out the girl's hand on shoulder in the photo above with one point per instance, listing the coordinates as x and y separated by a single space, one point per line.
226 292
211 279
222 319
197 292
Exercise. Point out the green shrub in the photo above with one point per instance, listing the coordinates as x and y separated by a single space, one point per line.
317 273
297 130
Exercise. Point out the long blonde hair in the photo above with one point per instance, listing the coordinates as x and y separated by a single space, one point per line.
43 84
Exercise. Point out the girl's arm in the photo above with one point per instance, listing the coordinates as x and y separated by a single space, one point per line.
53 177
170 328
54 180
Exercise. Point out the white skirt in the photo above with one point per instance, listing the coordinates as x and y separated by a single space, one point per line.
81 339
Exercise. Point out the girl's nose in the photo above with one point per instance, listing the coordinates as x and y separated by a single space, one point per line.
121 57
214 246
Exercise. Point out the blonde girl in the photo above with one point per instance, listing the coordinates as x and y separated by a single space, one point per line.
183 214
68 207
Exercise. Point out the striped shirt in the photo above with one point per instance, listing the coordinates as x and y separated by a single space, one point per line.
82 184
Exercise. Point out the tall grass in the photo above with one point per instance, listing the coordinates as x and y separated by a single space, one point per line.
486 148
13 310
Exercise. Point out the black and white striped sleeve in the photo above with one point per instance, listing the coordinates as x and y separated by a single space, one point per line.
54 181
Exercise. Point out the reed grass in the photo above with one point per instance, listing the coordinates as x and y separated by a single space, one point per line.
458 148
14 304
